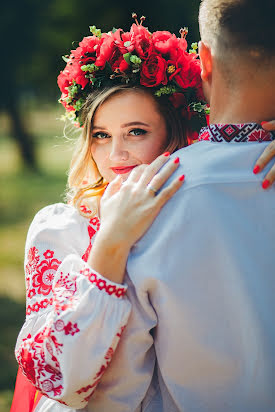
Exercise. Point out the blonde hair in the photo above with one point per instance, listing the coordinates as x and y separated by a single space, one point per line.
84 179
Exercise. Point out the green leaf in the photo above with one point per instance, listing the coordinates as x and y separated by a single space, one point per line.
135 59
127 57
96 32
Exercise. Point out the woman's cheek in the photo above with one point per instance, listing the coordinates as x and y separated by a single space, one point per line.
98 154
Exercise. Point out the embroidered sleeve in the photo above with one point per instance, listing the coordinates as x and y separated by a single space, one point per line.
75 317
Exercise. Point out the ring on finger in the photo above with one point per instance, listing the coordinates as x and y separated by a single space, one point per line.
152 189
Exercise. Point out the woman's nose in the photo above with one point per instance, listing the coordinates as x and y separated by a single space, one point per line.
118 150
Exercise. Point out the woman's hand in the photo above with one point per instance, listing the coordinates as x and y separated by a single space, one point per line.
131 207
267 155
127 210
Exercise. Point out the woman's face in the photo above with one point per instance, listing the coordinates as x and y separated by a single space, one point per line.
127 131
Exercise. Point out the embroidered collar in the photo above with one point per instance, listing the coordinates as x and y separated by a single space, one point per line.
236 133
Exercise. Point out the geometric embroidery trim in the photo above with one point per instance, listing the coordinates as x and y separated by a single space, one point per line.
102 284
236 133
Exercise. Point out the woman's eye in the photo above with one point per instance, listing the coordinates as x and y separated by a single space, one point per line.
138 132
100 135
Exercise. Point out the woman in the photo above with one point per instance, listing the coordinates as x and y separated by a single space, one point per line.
77 308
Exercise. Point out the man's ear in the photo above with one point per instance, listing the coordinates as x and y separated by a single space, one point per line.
206 62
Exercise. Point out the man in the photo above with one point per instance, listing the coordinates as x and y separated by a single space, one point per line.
202 280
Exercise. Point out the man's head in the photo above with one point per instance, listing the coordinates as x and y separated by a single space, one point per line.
237 42
239 27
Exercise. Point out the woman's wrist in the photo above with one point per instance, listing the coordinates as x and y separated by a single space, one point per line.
108 256
114 240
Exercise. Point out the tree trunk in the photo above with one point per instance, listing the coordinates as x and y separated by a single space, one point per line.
23 139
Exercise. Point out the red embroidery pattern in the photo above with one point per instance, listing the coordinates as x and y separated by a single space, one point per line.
45 272
259 136
46 377
69 329
103 367
33 259
38 354
64 292
102 284
236 133
43 304
92 229
31 357
85 210
205 135
39 278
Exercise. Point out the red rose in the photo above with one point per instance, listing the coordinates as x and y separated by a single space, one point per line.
164 42
63 82
72 72
141 38
87 50
153 71
123 66
117 61
123 41
176 51
182 44
89 44
187 72
107 47
77 74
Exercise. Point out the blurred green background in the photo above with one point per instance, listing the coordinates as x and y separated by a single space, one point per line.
34 155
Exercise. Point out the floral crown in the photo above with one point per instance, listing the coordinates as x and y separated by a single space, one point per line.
158 60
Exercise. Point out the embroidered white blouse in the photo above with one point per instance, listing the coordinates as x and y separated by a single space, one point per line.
198 309
74 317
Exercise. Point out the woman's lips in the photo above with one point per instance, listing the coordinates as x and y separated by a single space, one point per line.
123 170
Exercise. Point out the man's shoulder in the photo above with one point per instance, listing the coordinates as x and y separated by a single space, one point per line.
208 161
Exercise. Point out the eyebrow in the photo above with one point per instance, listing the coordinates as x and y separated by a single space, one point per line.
124 125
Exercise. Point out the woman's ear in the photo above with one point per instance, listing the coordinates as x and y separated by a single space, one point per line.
206 62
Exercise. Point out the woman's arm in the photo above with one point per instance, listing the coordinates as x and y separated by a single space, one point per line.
267 155
74 316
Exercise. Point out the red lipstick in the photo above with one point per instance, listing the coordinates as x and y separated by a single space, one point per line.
123 169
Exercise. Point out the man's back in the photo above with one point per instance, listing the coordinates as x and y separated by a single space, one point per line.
208 267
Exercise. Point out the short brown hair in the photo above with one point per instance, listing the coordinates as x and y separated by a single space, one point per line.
239 25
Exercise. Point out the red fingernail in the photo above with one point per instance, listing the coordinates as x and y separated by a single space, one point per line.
177 160
266 184
166 154
181 178
256 169
263 123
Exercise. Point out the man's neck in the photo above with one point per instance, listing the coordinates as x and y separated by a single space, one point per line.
245 105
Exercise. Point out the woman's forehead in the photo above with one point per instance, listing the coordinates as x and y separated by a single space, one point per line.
125 105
